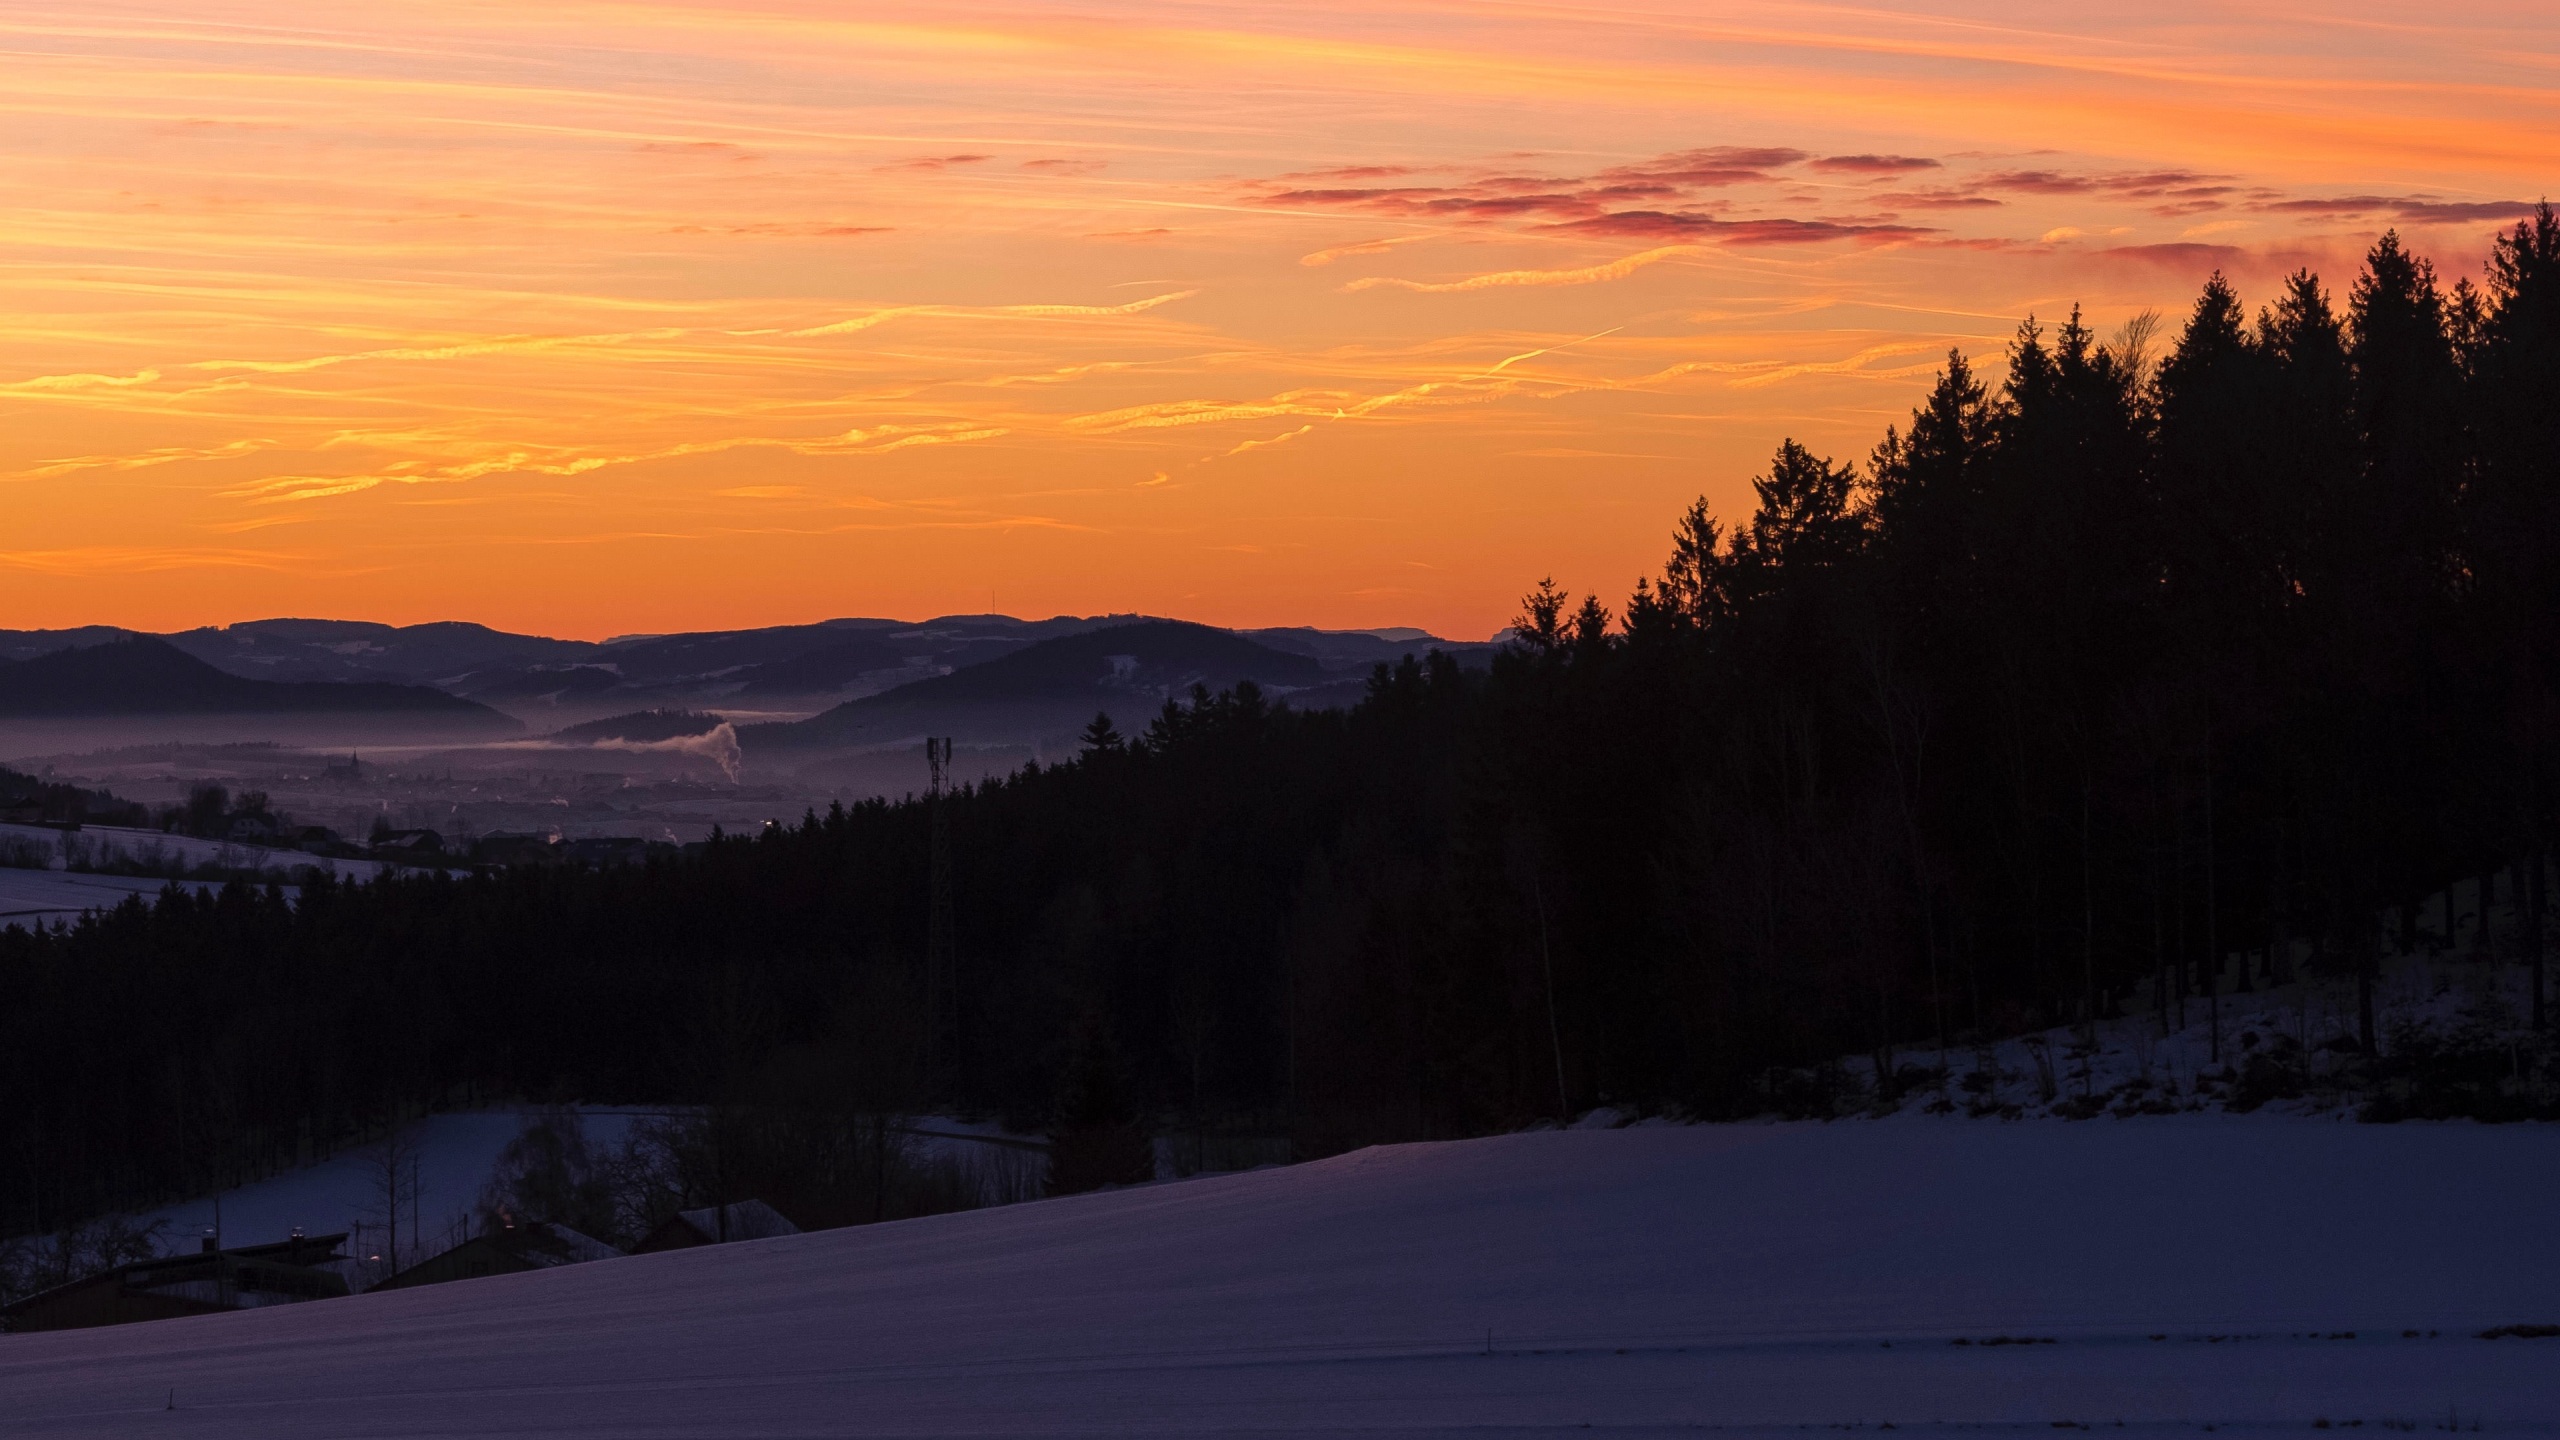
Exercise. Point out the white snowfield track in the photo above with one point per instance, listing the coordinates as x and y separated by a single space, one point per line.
2164 1275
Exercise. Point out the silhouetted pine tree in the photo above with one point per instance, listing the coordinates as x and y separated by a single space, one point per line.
2093 679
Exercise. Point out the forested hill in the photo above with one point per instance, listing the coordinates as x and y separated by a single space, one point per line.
2148 654
145 675
1057 683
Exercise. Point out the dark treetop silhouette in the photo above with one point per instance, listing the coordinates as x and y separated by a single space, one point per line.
2130 662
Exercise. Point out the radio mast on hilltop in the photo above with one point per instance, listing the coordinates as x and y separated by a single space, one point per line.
941 989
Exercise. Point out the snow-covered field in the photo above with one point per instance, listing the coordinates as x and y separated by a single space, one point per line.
453 1154
2162 1274
108 843
47 897
57 894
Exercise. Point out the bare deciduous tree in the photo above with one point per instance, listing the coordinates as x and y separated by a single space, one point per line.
391 1171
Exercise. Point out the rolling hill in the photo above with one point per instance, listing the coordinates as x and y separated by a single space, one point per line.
778 670
824 671
640 727
1054 687
28 644
1761 1280
357 650
147 676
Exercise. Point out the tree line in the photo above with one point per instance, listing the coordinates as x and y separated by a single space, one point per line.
2166 663
28 799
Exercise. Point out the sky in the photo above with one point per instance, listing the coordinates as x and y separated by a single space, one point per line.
600 318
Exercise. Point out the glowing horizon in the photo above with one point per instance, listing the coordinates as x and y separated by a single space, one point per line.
614 317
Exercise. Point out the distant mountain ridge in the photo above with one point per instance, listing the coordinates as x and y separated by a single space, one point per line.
145 675
28 644
640 727
779 671
1129 670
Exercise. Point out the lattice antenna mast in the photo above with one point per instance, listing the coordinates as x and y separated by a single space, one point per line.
941 979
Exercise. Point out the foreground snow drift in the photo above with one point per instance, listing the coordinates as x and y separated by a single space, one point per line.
2185 1272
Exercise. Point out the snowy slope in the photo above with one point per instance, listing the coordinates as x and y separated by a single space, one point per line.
2190 1057
453 1154
49 897
57 895
104 843
1637 1281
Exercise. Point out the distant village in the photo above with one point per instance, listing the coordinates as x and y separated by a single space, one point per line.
100 832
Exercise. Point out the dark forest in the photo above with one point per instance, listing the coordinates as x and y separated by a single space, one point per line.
2160 650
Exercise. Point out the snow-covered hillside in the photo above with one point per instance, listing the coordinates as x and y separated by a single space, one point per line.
49 897
110 844
2285 1048
53 893
2166 1274
452 1155
449 1158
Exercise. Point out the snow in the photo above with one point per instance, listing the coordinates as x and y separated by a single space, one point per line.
747 1220
454 1153
47 897
2188 1271
2147 1061
110 842
574 1248
53 895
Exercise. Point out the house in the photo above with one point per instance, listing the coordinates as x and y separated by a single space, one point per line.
320 840
205 1282
504 1246
712 1224
420 845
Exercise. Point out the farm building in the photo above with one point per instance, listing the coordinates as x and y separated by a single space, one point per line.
206 1282
504 1247
712 1224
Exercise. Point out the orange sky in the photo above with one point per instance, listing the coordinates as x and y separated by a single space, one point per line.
597 318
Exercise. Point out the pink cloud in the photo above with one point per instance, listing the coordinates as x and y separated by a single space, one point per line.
1873 164
1689 225
2404 207
938 162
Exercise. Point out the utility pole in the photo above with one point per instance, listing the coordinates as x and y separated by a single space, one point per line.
2533 939
2212 908
223 1294
1547 962
942 1001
